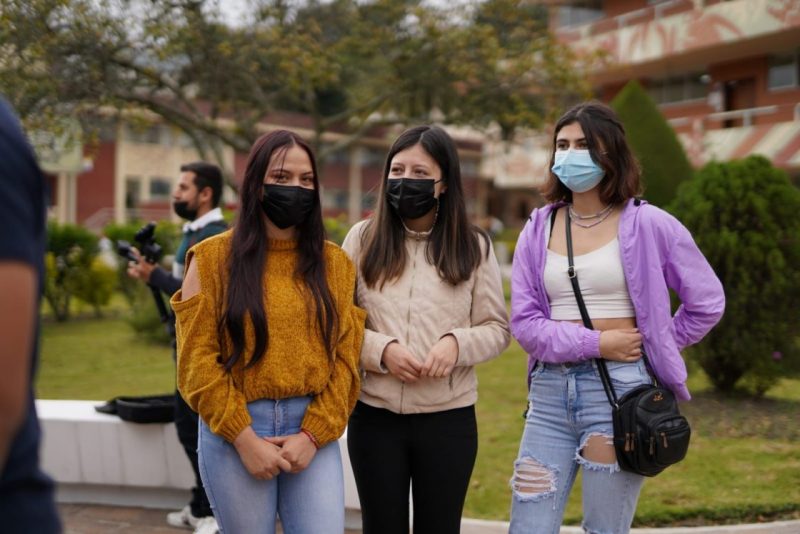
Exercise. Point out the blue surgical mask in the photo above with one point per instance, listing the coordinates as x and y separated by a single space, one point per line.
576 170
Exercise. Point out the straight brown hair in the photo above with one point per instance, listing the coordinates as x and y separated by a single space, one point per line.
453 246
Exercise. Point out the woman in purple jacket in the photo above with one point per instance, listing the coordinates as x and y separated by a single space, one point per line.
628 254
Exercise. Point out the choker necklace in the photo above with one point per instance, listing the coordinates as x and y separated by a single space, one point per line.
601 213
600 218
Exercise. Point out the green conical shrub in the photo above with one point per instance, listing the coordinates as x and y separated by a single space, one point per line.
664 163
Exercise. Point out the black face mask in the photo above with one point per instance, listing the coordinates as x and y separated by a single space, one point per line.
411 198
287 205
183 211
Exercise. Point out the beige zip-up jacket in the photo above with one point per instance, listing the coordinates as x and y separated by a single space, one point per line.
417 310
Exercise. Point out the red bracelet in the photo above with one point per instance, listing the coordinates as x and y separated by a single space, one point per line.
310 437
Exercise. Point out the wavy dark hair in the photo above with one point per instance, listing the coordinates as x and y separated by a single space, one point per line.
249 251
605 139
453 246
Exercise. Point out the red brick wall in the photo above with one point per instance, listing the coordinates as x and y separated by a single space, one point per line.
95 188
618 7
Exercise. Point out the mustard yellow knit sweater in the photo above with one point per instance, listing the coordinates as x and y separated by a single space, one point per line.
295 362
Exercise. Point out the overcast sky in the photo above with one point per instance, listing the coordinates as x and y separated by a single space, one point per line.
235 10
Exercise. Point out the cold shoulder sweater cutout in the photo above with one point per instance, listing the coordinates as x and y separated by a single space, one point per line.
295 362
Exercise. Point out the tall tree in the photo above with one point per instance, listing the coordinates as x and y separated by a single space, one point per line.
349 65
664 162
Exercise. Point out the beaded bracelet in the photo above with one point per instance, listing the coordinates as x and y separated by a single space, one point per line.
310 437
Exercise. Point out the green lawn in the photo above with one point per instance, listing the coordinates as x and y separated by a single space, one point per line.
743 465
91 359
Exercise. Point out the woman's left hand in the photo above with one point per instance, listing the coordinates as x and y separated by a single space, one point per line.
297 449
441 358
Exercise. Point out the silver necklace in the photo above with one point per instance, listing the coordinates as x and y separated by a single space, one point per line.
602 212
591 224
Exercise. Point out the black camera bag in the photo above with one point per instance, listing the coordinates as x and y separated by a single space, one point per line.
650 434
145 409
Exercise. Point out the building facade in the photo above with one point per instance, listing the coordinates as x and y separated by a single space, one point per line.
725 74
128 173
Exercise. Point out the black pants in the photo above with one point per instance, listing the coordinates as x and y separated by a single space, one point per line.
186 421
432 452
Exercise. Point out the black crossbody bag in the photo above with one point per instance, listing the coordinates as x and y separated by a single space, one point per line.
650 434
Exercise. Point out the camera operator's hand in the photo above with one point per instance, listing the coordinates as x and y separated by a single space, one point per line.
140 269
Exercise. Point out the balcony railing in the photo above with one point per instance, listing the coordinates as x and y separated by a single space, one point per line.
677 28
638 16
744 115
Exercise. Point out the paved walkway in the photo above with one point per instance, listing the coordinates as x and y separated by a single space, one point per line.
95 519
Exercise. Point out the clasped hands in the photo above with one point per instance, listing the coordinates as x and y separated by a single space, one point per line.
265 458
439 362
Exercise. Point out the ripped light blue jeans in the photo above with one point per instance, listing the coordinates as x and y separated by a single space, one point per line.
566 407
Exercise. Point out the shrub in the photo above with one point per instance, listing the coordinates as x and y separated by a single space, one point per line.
144 317
744 216
70 252
664 163
337 228
95 285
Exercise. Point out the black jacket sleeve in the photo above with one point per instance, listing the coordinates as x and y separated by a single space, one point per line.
164 281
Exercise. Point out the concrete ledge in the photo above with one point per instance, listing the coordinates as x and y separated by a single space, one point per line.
83 447
130 496
99 458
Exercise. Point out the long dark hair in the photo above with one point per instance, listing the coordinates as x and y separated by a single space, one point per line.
605 138
453 245
249 254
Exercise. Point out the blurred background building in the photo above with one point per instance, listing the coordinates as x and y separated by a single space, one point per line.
725 74
130 172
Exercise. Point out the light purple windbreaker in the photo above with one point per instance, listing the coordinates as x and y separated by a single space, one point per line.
658 253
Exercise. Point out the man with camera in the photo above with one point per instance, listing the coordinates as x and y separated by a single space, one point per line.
196 198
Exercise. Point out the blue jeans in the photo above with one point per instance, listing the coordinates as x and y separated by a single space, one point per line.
309 501
567 407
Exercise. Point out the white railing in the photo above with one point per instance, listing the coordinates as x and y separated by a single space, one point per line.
746 115
623 19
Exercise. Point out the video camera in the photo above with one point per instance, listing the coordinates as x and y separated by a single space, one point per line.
151 252
148 248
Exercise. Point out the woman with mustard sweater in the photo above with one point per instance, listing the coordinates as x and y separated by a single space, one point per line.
268 348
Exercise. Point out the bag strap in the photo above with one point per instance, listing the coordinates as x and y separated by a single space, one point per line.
587 322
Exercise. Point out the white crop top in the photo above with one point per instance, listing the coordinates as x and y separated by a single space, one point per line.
602 281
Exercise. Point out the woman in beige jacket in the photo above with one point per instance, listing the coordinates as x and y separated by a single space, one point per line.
430 284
